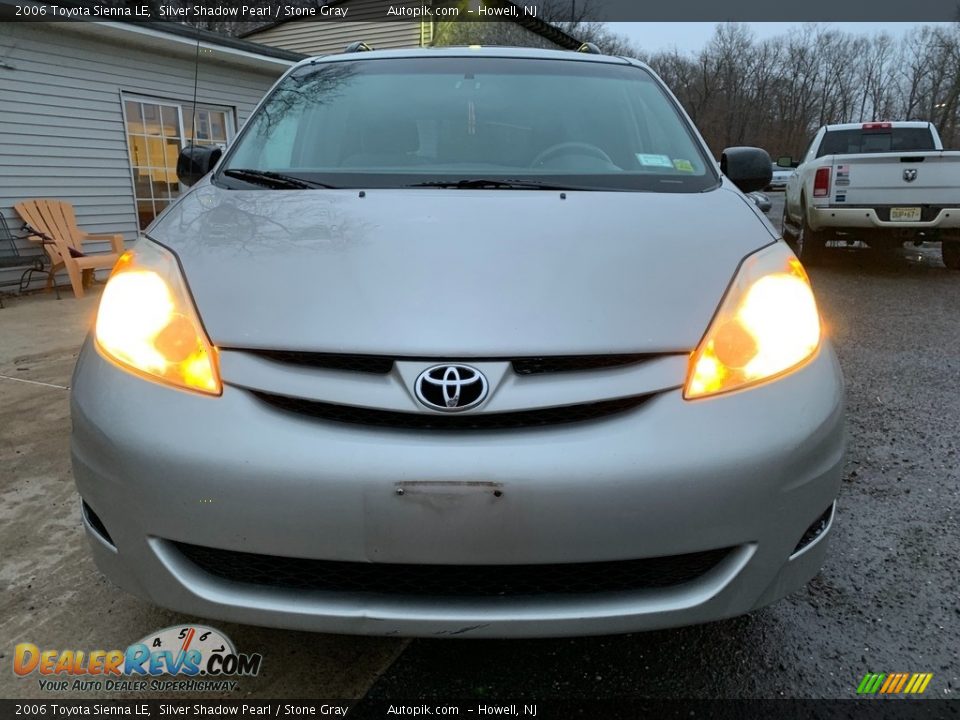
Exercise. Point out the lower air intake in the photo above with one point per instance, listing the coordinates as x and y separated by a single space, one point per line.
452 580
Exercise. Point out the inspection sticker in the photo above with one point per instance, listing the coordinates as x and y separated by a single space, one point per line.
654 160
683 165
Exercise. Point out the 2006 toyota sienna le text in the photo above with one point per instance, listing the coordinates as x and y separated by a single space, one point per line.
471 342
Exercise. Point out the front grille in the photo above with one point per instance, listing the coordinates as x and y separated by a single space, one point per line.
452 580
374 417
572 363
382 364
374 364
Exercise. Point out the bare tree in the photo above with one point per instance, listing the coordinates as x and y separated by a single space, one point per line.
774 93
777 92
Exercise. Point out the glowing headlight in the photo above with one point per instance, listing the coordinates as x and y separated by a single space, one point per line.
767 324
147 323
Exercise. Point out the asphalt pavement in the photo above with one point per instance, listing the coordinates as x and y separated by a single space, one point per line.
886 600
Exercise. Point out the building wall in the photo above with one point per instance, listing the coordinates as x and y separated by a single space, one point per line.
490 33
61 118
323 37
364 22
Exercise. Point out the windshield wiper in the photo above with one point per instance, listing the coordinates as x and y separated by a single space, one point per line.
273 180
492 184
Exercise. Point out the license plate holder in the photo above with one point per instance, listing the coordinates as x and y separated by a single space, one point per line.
440 519
904 214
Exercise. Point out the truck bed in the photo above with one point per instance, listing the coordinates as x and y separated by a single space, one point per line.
881 180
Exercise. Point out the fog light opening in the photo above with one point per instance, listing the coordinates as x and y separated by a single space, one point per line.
817 528
97 524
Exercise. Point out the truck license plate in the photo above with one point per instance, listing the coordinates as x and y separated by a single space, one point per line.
904 214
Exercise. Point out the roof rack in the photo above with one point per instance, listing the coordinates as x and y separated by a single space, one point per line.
589 47
358 46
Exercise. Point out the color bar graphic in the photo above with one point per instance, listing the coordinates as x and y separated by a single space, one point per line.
894 683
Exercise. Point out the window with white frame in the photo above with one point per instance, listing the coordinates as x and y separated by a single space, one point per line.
156 132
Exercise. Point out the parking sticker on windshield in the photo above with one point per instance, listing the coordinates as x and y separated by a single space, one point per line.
683 165
654 160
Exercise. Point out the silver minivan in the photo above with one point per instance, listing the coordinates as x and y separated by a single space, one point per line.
465 341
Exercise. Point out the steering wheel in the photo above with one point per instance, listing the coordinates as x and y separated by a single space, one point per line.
570 148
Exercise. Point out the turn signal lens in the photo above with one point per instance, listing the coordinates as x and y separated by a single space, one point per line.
768 323
147 323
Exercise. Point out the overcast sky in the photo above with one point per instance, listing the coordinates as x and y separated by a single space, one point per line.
692 36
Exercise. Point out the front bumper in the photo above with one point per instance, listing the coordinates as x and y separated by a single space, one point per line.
749 471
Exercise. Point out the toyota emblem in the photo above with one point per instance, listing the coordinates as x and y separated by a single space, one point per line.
451 387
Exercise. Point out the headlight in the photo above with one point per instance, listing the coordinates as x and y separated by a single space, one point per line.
147 323
767 324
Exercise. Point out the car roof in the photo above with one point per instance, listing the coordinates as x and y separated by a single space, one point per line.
472 51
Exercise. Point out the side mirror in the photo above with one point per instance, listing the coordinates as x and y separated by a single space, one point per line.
748 168
195 161
785 161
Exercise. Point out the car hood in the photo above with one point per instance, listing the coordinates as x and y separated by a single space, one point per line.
459 273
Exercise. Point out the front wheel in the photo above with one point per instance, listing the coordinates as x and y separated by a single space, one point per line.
950 252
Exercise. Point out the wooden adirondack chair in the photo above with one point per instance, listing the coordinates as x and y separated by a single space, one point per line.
54 224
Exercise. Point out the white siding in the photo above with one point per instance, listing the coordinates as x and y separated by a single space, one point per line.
61 118
490 33
324 37
364 22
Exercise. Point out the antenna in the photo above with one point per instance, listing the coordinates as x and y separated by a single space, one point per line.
196 75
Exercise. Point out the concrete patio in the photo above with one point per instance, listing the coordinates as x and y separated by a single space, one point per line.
51 594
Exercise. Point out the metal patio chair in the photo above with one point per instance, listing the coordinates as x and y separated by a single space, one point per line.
11 259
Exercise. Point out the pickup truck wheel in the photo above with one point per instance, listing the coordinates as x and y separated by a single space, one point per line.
811 244
950 252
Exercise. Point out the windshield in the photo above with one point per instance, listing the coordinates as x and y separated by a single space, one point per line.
469 122
857 141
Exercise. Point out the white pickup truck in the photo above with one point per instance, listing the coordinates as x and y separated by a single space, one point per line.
883 183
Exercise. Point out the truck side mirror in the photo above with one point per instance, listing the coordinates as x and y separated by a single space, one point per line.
748 168
195 161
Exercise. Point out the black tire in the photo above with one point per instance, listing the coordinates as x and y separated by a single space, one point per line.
950 252
811 245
